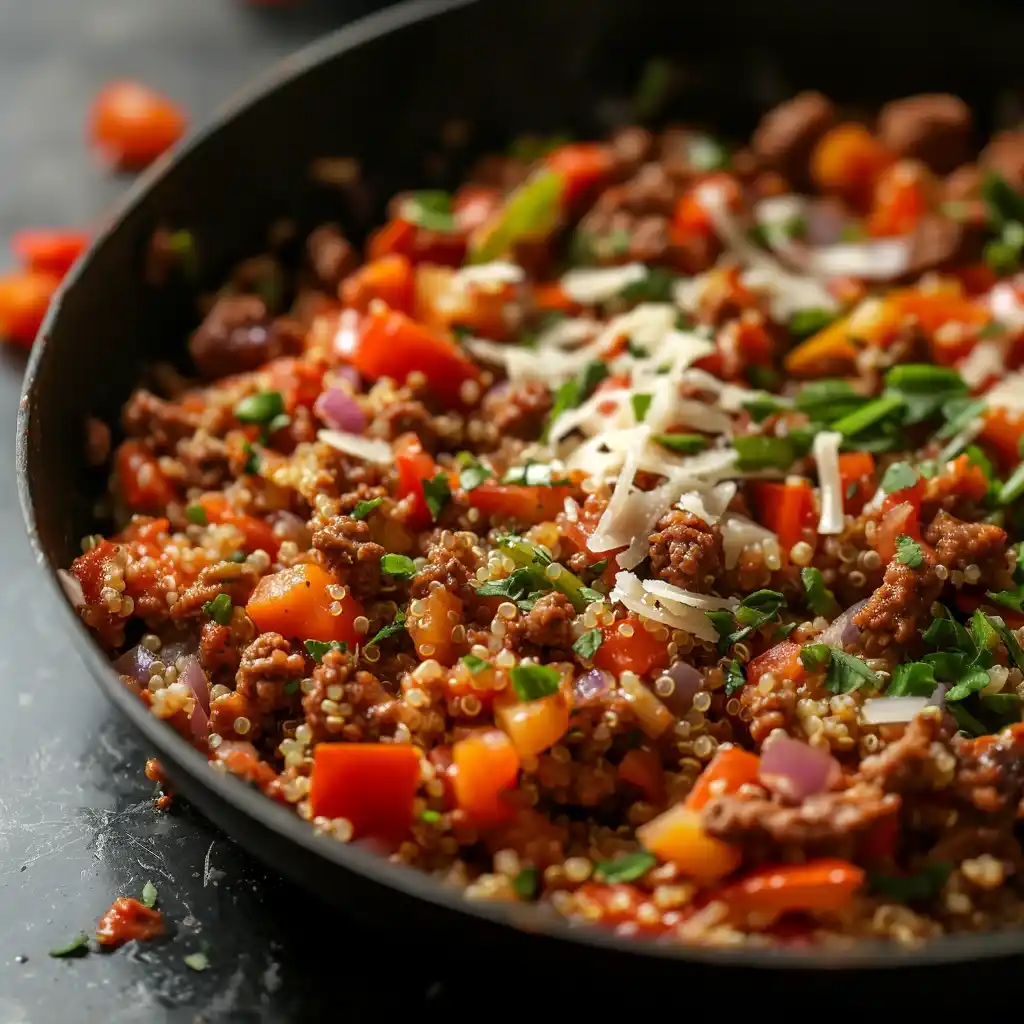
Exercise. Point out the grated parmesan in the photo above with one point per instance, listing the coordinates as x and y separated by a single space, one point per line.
830 481
369 449
589 286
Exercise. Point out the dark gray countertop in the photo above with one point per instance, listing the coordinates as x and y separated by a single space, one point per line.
77 822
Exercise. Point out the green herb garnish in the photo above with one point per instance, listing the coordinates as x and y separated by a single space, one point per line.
318 648
735 680
196 515
78 946
430 817
526 883
912 679
909 552
627 868
575 392
586 646
534 682
806 322
260 408
364 508
390 630
820 599
684 444
219 609
898 477
474 664
844 672
437 494
757 451
197 961
640 403
402 567
920 887
431 209
149 895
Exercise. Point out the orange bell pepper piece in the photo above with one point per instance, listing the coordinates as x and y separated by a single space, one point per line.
786 509
526 505
818 885
372 785
390 344
678 836
431 632
388 278
295 602
639 652
901 199
730 768
485 765
848 161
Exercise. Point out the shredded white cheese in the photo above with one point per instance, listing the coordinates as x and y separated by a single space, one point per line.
369 449
670 594
1006 306
630 592
987 359
589 286
1008 393
498 272
738 533
826 455
879 260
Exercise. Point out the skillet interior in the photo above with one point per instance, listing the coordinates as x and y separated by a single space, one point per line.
380 92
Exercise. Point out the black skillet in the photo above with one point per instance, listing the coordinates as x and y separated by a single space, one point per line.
380 91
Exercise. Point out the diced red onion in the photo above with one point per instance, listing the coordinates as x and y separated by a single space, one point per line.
591 689
843 631
72 588
193 676
350 374
893 710
796 770
340 411
135 662
688 681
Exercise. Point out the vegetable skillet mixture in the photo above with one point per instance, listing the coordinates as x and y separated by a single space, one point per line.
635 530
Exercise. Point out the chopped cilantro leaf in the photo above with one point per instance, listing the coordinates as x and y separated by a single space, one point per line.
627 868
920 887
533 682
655 287
472 472
219 609
149 895
430 209
909 552
390 630
364 508
912 679
260 408
576 391
252 461
586 646
820 599
402 567
196 515
898 477
974 680
526 883
237 557
734 678
535 474
815 657
437 494
474 664
847 673
78 946
640 403
318 648
594 571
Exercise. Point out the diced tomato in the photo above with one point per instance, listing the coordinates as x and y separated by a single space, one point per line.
968 478
730 768
642 768
298 381
857 472
143 533
1002 434
550 296
635 650
786 509
396 236
142 482
417 244
24 299
817 885
691 219
372 785
390 344
256 533
128 919
132 124
903 520
49 252
582 165
782 660
297 602
486 765
388 278
414 465
901 199
526 505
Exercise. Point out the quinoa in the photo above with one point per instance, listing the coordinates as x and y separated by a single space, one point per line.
594 588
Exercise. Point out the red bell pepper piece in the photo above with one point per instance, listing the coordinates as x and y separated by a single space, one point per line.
49 252
527 505
639 652
782 660
143 484
414 465
582 166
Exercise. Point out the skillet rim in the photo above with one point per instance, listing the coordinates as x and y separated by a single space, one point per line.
282 822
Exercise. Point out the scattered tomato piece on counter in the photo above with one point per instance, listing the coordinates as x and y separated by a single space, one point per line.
24 299
49 251
128 919
131 124
371 785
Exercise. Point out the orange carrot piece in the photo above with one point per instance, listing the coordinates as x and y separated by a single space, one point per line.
815 885
485 766
677 836
730 768
296 602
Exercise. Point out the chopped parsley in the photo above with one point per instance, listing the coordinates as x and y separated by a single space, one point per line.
430 209
390 630
533 682
755 610
920 887
586 646
909 552
826 400
527 883
734 678
685 444
898 477
758 451
78 946
291 687
318 648
219 609
576 391
960 413
472 472
912 679
820 599
149 895
923 389
260 408
401 567
805 322
844 672
364 508
640 403
474 664
196 515
535 474
252 460
627 868
237 557
594 571
437 494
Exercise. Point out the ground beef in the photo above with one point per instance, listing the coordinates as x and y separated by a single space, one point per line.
237 580
786 135
769 711
939 242
330 255
407 417
518 410
958 544
894 610
650 191
350 552
237 336
218 652
268 665
161 423
547 625
823 825
452 563
205 461
685 551
990 776
363 492
336 681
934 128
1005 155
630 147
919 761
963 185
